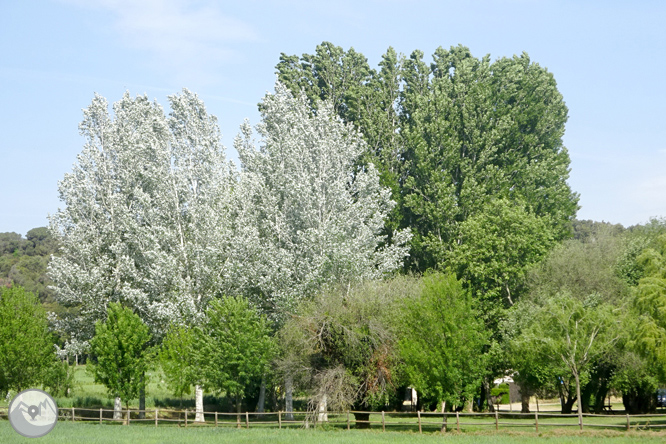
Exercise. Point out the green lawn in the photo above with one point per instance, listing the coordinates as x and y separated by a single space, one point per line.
400 428
67 433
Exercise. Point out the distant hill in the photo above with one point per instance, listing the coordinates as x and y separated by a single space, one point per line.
23 262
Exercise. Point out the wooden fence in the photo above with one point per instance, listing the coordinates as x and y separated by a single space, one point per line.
420 421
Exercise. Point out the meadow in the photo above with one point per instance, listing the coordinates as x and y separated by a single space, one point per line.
67 433
399 427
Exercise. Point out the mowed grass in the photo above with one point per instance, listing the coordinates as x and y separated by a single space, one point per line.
67 433
400 427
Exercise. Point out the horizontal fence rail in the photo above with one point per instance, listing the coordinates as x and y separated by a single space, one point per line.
407 421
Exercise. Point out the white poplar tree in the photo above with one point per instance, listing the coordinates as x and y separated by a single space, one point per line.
144 221
318 215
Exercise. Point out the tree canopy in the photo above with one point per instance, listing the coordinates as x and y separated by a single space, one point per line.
26 346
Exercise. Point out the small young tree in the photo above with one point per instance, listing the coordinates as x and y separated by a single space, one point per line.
176 357
442 341
26 346
233 347
123 354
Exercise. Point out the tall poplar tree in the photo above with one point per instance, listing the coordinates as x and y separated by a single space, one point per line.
453 139
145 212
318 215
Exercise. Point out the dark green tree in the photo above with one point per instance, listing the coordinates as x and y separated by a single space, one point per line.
449 136
347 343
26 346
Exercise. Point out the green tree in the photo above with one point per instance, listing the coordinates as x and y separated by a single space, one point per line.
495 250
651 304
442 341
177 359
234 347
347 342
575 332
450 136
26 346
121 346
598 263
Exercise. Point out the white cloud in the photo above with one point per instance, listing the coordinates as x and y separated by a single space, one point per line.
191 38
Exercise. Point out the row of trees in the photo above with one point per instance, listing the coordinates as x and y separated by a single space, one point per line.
588 324
157 220
457 165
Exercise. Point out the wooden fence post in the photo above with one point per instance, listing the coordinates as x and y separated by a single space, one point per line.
280 419
215 419
383 422
72 414
100 416
128 416
628 423
458 422
536 421
247 420
348 426
185 417
156 416
419 415
496 421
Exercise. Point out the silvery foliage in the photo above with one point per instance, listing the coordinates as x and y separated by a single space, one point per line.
318 215
145 214
72 348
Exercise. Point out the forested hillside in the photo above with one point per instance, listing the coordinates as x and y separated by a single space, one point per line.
23 262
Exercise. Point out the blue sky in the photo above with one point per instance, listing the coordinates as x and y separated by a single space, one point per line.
608 58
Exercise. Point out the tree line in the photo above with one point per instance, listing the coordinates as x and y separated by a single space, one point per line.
409 225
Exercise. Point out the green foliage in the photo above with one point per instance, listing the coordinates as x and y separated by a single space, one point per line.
651 303
449 137
176 357
496 249
26 346
59 378
501 393
23 261
442 340
596 265
121 345
565 329
233 347
347 340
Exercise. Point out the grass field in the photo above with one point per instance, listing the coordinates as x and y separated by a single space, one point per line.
66 433
400 427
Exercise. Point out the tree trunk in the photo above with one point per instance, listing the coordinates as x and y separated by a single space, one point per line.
262 395
117 409
580 407
198 404
288 397
362 417
322 416
524 399
238 408
639 401
142 398
485 397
